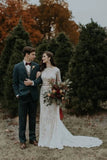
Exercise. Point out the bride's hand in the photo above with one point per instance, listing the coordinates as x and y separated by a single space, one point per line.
38 74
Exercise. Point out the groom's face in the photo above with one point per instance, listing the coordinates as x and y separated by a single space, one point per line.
32 56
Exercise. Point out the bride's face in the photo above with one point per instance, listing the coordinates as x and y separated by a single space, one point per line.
45 58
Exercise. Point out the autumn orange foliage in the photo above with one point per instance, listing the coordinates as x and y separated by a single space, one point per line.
43 21
11 12
54 17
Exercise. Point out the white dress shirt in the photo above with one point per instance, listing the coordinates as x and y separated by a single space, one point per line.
28 68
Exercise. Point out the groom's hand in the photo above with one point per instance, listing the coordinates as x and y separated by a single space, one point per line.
28 82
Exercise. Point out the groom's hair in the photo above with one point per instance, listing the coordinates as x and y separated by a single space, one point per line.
28 50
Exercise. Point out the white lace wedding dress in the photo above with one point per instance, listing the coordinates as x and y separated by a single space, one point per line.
52 132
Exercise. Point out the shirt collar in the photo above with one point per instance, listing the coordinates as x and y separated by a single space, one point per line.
25 62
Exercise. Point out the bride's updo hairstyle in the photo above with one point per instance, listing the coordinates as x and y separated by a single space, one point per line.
49 54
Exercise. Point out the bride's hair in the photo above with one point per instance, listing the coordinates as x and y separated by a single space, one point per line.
43 65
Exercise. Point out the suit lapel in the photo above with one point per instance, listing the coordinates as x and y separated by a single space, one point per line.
24 68
32 68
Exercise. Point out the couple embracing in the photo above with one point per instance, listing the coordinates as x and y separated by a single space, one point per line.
27 75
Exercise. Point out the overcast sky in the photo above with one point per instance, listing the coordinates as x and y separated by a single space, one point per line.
84 10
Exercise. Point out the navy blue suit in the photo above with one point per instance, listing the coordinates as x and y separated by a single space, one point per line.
28 96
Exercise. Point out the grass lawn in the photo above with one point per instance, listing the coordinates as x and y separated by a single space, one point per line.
95 126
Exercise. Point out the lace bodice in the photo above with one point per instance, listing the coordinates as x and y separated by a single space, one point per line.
50 73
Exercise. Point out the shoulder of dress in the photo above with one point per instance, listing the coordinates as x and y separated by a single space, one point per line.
57 69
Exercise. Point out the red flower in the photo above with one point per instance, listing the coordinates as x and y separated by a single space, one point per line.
58 91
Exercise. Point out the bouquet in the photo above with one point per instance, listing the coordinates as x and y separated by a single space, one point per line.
58 93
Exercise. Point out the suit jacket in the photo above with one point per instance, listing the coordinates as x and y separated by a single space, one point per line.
19 76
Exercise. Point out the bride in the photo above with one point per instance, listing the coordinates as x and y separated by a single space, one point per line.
52 132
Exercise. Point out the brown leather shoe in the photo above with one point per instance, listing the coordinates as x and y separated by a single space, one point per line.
22 145
35 143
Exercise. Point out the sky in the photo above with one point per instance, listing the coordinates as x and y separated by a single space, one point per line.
84 10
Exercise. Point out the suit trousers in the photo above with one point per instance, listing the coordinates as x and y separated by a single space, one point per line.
27 106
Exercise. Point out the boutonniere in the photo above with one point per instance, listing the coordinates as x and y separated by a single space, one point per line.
33 67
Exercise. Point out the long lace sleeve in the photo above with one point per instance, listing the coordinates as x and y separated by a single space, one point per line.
58 76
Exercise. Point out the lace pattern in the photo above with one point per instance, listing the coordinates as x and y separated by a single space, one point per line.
52 132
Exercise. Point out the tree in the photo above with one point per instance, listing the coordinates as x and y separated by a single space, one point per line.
61 47
49 45
44 21
63 53
53 45
43 46
10 100
8 49
54 17
10 13
20 38
87 69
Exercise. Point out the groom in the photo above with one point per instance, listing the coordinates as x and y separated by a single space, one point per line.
27 95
